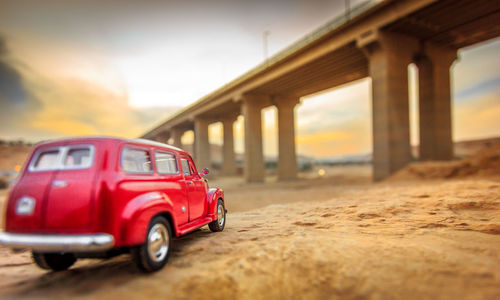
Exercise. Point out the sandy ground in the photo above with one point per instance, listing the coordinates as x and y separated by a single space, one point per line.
333 237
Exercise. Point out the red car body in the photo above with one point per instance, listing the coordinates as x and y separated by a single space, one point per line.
112 192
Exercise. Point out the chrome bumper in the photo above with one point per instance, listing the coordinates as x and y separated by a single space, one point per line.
58 242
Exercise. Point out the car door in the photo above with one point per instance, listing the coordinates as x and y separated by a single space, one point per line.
196 189
171 182
69 200
27 214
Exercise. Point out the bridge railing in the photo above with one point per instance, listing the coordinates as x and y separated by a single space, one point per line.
335 23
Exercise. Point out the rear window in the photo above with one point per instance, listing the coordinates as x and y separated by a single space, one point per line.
63 158
136 160
166 163
77 158
46 160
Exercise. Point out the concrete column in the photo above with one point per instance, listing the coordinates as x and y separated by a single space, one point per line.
435 102
254 157
201 143
177 137
388 57
193 146
228 156
287 159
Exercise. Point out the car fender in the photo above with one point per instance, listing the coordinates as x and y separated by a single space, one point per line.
138 213
213 195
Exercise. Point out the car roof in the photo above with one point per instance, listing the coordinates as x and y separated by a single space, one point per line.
116 139
153 143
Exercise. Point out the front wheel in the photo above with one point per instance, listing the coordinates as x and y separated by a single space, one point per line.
154 253
218 225
54 261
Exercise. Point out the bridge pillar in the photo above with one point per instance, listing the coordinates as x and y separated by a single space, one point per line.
435 102
201 143
177 134
254 157
388 57
287 159
228 157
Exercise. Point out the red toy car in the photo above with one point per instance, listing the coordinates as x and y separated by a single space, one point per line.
100 197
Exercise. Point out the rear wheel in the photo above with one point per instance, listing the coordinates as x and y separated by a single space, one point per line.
220 222
154 253
54 261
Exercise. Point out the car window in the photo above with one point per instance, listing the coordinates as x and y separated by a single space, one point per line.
46 160
136 161
166 163
185 167
63 158
192 168
78 158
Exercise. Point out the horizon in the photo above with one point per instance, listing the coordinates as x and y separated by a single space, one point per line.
101 81
341 158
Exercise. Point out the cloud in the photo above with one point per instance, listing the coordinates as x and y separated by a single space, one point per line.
481 88
76 107
479 118
12 90
352 136
335 122
35 107
15 99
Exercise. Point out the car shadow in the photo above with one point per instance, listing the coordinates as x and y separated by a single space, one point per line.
79 280
88 276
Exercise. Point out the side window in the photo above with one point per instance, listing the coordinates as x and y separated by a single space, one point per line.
136 161
166 163
185 167
192 168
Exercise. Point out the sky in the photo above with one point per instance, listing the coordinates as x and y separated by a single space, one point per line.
72 68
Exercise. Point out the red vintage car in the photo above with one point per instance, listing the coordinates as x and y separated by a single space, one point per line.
100 197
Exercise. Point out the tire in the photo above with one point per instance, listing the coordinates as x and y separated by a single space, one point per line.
54 261
154 253
220 222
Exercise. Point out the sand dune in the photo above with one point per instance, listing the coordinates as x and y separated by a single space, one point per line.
484 163
390 240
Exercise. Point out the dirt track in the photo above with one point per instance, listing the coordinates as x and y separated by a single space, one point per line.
431 239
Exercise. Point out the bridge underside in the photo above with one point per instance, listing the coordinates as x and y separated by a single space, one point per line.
333 69
452 24
379 44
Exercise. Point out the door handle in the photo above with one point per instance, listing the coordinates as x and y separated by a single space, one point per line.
59 183
190 182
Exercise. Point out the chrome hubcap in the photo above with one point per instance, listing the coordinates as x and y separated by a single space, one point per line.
158 240
220 215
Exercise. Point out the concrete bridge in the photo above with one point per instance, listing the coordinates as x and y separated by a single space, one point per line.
379 40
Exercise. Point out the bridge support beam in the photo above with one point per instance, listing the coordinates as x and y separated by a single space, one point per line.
435 102
287 158
201 143
176 135
228 156
162 137
389 56
254 156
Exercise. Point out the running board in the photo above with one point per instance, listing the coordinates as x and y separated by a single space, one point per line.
183 229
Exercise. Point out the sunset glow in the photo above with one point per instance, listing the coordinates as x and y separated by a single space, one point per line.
109 71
